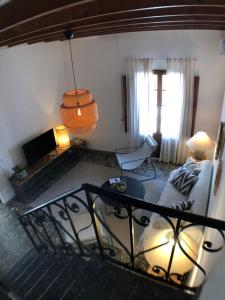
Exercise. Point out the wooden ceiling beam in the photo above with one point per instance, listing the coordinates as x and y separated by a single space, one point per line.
14 13
27 21
152 27
139 19
168 27
107 32
144 21
34 40
48 40
77 17
125 28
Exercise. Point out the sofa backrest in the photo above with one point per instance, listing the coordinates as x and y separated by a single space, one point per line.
201 190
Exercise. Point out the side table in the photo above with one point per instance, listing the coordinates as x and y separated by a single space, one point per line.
134 188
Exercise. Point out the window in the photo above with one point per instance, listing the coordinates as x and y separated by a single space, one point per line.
159 100
168 104
160 104
151 89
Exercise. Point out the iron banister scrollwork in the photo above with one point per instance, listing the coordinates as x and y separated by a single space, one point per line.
161 244
208 246
169 214
161 210
53 226
142 220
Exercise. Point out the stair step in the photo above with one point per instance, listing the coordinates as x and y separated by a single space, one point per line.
35 275
46 277
46 281
25 272
22 264
102 280
86 285
74 268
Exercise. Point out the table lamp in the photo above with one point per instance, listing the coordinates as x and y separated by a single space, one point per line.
62 136
199 143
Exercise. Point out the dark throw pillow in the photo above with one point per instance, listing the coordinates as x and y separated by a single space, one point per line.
183 205
184 181
192 166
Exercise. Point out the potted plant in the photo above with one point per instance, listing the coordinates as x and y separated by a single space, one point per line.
120 186
19 171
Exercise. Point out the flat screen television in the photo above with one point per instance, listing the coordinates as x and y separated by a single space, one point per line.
39 147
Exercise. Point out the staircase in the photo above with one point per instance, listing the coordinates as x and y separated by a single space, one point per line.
45 276
83 269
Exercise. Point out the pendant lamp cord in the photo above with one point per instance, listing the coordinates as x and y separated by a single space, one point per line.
74 77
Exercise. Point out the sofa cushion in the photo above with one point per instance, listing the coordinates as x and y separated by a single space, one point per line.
201 190
192 166
182 205
170 194
184 181
196 171
199 195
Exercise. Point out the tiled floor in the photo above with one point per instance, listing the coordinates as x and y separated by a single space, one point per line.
87 172
13 240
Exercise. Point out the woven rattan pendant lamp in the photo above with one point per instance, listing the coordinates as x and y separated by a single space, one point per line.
79 111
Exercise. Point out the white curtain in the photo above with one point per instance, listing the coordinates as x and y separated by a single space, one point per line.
138 74
177 111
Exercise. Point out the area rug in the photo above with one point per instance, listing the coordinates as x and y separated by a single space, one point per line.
108 159
162 170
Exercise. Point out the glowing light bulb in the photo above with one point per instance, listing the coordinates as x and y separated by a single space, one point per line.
79 112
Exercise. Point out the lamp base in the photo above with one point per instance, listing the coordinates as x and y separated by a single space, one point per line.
199 155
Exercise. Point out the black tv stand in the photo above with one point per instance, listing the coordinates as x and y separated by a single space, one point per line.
42 174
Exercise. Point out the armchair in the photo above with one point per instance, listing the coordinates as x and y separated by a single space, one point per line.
132 157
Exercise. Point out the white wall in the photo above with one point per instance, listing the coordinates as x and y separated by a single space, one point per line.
100 63
33 79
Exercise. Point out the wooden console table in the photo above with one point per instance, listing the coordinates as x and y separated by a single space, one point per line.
42 174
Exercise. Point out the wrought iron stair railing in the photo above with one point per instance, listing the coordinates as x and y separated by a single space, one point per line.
152 240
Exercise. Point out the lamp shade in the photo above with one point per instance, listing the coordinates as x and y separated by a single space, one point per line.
62 137
162 241
79 111
200 142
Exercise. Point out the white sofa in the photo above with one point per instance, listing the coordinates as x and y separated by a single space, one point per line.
170 195
199 193
157 231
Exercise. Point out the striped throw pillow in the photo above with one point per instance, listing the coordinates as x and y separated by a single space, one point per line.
183 205
183 181
192 166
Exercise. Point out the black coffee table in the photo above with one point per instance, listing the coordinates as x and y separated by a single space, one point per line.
134 188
